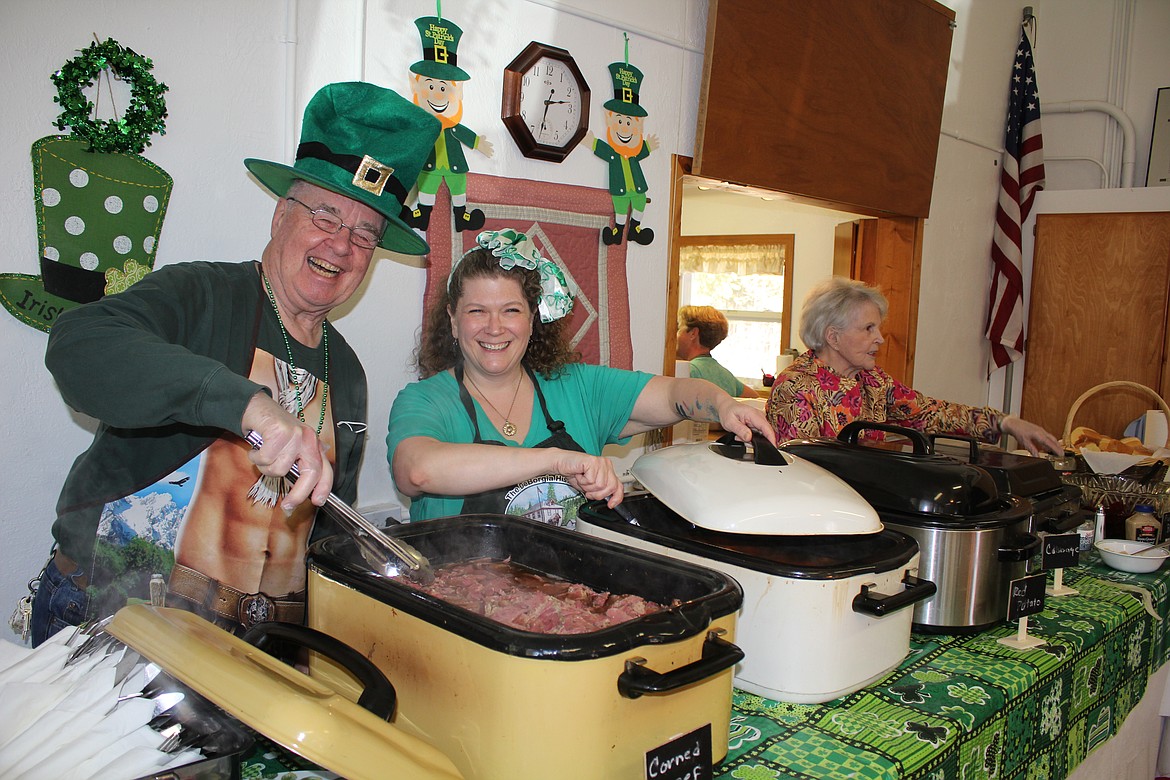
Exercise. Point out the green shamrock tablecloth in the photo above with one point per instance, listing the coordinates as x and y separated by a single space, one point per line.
970 707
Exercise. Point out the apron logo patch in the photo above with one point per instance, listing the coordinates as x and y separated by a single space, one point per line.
547 499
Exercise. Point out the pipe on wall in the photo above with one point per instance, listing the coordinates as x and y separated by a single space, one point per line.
290 79
1128 155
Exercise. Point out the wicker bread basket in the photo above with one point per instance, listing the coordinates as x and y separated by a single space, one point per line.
1109 489
1068 423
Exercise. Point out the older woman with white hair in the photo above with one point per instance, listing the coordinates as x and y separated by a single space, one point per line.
838 381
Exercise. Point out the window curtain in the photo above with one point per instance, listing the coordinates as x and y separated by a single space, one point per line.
741 259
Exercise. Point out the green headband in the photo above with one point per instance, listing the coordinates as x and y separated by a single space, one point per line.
513 248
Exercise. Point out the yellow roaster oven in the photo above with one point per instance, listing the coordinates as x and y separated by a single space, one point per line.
505 703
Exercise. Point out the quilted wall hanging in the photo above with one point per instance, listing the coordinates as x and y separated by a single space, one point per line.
565 222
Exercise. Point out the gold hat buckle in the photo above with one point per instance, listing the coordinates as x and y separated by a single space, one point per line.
372 175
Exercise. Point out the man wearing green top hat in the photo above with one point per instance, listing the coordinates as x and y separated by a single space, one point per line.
437 86
169 502
625 150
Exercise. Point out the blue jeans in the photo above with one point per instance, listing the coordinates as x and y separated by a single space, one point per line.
59 603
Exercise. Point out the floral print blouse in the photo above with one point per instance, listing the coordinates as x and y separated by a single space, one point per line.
811 400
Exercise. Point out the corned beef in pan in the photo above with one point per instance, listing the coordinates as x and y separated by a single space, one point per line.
524 599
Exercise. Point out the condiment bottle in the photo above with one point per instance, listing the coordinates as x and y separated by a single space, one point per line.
1115 514
1087 530
1099 523
1143 525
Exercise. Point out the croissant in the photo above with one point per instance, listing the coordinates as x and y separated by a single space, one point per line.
1083 438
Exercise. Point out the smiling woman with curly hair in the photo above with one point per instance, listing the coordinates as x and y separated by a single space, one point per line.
548 348
506 417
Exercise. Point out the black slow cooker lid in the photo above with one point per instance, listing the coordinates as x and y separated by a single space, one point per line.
704 594
809 557
917 482
1020 475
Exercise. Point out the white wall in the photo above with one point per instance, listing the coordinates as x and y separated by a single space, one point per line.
233 95
1085 50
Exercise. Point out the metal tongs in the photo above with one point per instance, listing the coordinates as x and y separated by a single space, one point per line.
388 556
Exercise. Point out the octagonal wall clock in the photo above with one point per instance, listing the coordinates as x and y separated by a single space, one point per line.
545 102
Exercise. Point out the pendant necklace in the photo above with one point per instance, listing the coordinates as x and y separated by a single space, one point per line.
288 347
508 429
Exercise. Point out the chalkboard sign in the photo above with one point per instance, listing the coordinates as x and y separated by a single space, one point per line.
1026 596
684 758
1059 551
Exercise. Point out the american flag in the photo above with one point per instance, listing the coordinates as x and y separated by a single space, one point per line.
1022 176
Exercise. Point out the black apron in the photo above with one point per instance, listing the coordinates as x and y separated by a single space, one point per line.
549 498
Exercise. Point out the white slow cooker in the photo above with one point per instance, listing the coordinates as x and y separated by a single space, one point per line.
827 589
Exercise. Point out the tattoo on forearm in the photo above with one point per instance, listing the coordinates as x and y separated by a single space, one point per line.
697 410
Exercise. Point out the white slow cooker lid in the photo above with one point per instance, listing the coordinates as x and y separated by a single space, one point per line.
707 487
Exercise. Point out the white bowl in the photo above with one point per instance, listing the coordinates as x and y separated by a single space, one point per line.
1113 553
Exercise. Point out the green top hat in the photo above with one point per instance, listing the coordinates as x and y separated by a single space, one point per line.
366 143
627 81
440 42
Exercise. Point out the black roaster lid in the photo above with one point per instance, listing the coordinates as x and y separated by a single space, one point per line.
918 482
809 557
1020 475
705 594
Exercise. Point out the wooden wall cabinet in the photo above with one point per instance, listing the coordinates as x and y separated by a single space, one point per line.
838 102
1098 312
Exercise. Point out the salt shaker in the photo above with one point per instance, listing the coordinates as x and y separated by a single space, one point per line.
1099 529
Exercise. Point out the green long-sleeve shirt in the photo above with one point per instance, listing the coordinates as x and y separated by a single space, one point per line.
163 367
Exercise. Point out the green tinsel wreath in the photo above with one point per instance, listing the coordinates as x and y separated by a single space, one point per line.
145 115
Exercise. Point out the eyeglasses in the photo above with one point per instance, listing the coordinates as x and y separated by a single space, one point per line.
330 223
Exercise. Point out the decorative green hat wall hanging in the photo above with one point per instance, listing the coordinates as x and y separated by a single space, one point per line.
99 205
627 80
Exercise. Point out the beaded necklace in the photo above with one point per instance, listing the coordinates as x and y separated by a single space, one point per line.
288 347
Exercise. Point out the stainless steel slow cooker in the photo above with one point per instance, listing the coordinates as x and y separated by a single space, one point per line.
827 590
974 539
502 702
1056 507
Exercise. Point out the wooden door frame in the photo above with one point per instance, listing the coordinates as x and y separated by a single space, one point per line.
888 254
1099 293
680 167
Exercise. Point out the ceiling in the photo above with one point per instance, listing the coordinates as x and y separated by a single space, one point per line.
698 189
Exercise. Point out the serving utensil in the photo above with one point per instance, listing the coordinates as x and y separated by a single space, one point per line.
388 556
1143 550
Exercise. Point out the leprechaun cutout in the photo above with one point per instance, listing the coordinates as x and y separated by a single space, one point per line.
624 148
99 205
436 84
